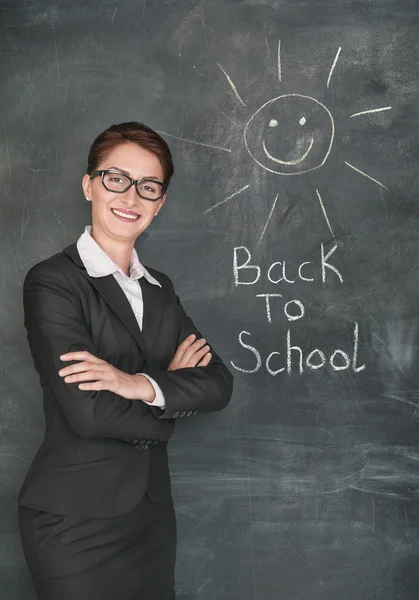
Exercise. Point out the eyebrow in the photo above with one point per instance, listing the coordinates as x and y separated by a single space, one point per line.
126 173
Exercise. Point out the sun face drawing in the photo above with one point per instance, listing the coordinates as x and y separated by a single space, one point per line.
294 150
290 135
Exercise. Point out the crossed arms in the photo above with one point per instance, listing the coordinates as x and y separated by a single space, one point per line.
55 326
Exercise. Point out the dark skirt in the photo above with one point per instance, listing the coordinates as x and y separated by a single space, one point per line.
130 557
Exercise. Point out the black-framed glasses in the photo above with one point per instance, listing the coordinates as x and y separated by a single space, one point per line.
114 181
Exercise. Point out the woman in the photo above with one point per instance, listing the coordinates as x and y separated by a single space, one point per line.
119 361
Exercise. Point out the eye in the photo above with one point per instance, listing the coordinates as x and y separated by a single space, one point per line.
147 187
116 179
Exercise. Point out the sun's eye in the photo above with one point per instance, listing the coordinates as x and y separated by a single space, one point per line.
303 121
273 123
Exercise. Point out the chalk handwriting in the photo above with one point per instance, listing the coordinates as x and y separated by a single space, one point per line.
246 273
316 359
303 272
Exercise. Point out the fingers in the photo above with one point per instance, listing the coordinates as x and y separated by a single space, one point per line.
90 375
198 355
190 352
179 356
96 386
206 360
81 355
184 346
196 351
83 366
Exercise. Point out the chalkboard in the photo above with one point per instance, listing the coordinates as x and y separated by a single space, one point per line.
291 232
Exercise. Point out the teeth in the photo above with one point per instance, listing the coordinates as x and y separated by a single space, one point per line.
121 214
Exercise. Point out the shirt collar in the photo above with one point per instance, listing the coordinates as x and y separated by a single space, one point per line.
99 264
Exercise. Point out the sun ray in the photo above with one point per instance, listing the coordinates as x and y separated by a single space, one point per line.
225 199
365 174
373 110
279 62
333 66
266 41
269 218
233 87
194 142
325 214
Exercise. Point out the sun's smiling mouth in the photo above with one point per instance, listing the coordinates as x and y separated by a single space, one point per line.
297 161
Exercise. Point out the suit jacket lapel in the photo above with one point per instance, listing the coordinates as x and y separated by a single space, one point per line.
115 298
154 302
111 292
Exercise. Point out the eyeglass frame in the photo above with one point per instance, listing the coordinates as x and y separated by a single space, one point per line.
103 172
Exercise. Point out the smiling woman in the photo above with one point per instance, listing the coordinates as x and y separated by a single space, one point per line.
119 361
125 183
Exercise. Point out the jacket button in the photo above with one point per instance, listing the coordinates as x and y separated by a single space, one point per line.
189 413
135 441
140 446
195 412
175 414
182 413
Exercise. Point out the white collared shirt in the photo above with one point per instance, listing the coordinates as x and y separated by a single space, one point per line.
99 264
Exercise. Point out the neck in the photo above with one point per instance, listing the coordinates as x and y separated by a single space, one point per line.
119 252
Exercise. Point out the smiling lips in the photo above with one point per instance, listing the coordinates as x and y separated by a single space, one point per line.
125 215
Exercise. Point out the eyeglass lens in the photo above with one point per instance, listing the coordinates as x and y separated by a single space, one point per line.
117 182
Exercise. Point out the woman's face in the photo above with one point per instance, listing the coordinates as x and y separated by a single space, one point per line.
138 163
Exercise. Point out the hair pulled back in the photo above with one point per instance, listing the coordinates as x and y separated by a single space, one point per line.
134 132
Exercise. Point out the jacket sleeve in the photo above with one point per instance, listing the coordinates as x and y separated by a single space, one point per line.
54 323
192 390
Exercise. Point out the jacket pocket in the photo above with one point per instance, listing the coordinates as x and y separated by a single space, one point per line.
83 466
45 527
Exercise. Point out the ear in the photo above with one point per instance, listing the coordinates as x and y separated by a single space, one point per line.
162 201
87 187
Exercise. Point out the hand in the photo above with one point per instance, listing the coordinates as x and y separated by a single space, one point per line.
103 376
190 353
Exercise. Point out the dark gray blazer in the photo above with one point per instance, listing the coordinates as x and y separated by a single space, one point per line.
101 453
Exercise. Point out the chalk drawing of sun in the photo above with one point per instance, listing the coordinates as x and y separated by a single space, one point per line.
287 150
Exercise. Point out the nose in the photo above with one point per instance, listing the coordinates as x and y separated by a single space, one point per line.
130 198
